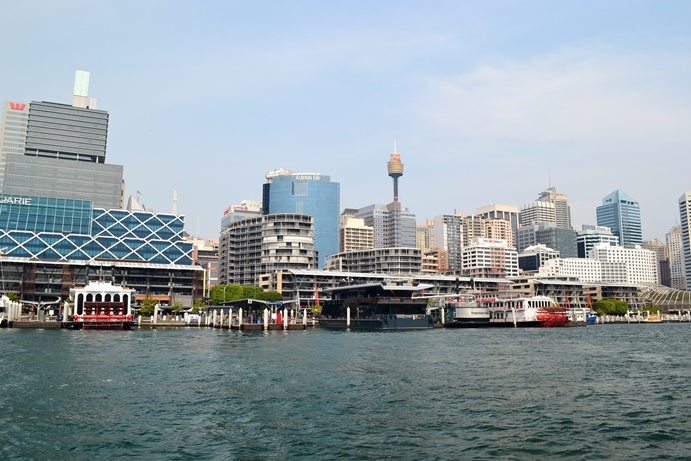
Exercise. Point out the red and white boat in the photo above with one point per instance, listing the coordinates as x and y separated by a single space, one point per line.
102 305
535 311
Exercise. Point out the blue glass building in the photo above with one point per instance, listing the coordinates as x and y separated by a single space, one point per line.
307 193
621 213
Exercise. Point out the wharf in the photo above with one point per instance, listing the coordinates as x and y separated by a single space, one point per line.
39 325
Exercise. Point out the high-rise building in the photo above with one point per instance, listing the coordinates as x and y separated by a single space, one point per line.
676 258
424 235
448 237
662 256
306 193
587 236
499 229
393 227
489 258
547 233
500 211
355 235
537 212
252 247
561 206
685 216
474 227
621 213
246 209
57 150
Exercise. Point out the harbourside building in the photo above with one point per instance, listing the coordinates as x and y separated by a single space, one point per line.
640 265
50 244
583 270
255 246
396 261
306 193
676 258
685 216
621 213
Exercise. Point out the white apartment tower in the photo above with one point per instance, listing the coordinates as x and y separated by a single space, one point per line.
490 258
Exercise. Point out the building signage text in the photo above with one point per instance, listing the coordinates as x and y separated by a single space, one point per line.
15 200
17 105
307 177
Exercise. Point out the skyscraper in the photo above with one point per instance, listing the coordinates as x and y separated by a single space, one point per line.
306 193
685 215
538 211
677 267
448 236
621 213
561 206
57 150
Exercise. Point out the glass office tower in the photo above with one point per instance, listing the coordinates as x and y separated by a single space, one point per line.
307 193
621 213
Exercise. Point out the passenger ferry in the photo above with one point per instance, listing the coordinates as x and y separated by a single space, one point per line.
463 311
536 311
102 305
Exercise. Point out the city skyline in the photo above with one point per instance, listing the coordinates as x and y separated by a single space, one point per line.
488 103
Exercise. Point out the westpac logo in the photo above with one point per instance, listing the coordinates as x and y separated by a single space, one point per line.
17 105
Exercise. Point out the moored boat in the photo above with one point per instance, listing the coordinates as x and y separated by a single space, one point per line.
101 305
376 306
536 311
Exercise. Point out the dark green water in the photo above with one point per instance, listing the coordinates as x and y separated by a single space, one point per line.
601 392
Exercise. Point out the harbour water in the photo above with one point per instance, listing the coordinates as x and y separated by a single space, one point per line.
599 392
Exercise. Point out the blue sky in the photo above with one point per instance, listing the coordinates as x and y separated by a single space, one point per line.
487 100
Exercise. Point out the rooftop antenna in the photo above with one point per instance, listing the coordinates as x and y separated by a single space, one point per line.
175 201
549 174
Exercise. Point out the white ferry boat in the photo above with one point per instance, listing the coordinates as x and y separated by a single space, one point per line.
102 305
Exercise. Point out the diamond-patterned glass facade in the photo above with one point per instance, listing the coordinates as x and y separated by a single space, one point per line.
70 230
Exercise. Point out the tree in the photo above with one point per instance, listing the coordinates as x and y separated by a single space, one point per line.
14 297
176 307
611 307
653 309
147 307
198 307
317 309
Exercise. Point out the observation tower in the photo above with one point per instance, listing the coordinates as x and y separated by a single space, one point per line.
395 168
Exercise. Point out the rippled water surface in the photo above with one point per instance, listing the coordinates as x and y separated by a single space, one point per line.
600 392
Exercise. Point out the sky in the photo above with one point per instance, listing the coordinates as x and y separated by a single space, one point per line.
487 101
